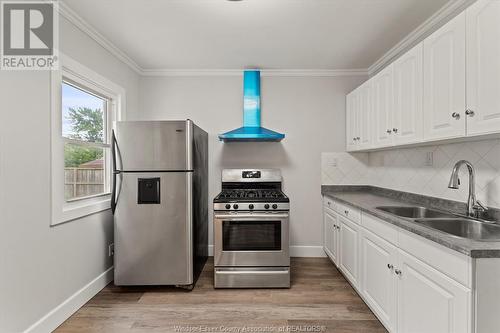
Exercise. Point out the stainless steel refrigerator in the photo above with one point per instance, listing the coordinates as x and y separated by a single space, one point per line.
159 202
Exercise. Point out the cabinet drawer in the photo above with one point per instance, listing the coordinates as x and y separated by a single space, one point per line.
380 228
349 212
329 203
455 265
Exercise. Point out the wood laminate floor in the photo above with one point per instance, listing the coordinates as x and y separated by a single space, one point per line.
320 300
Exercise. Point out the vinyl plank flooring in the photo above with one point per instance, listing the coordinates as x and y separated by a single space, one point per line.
320 300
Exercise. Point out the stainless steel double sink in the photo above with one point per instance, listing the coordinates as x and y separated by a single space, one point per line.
449 223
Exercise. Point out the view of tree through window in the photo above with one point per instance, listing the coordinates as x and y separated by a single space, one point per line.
83 128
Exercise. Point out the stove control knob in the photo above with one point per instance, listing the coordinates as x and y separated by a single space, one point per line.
250 206
228 206
266 206
235 206
275 206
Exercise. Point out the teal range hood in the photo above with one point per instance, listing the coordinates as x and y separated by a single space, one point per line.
251 130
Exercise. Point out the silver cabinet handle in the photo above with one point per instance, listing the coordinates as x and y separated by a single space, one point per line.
398 272
395 130
389 131
456 115
470 112
358 138
346 212
390 266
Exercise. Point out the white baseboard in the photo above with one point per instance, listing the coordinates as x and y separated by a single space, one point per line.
295 251
63 311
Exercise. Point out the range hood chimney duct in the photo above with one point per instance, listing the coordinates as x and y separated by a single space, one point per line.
251 130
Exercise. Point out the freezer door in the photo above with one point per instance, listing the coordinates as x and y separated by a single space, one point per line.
153 229
153 145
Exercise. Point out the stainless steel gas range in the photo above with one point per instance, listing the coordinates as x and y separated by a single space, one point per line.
251 243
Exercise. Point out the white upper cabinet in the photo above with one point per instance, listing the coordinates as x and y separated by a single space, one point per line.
483 67
408 97
446 87
364 137
382 86
352 120
444 81
358 118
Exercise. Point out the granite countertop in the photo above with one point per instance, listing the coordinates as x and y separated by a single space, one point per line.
366 198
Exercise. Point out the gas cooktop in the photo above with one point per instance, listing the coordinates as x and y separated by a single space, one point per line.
251 190
243 195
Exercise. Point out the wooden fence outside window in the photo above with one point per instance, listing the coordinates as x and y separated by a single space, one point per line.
82 182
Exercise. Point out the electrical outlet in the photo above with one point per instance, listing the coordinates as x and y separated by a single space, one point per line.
111 249
333 163
429 159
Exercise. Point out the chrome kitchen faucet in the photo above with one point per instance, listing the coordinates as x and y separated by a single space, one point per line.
474 206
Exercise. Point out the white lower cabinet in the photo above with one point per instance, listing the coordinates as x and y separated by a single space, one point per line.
417 292
429 301
348 253
378 284
331 234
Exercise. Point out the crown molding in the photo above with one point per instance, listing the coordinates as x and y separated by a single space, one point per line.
89 30
438 19
315 72
264 72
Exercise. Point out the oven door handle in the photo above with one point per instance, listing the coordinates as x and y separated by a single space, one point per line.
239 216
255 272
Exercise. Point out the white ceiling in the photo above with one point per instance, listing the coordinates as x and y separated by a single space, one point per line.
268 34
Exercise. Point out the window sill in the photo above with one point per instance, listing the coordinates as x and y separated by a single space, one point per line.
80 208
89 197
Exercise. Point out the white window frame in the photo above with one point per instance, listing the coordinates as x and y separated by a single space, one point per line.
80 75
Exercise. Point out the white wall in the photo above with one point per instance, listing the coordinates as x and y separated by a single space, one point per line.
406 170
41 266
310 111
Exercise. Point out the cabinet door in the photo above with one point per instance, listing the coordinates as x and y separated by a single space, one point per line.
378 281
348 252
444 81
330 235
351 120
364 136
483 67
408 97
382 84
429 301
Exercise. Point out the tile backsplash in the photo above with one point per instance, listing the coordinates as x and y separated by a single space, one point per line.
423 170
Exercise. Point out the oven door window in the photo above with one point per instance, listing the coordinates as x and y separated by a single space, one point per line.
251 235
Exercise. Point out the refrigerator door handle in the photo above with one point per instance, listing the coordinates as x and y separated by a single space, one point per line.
115 171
